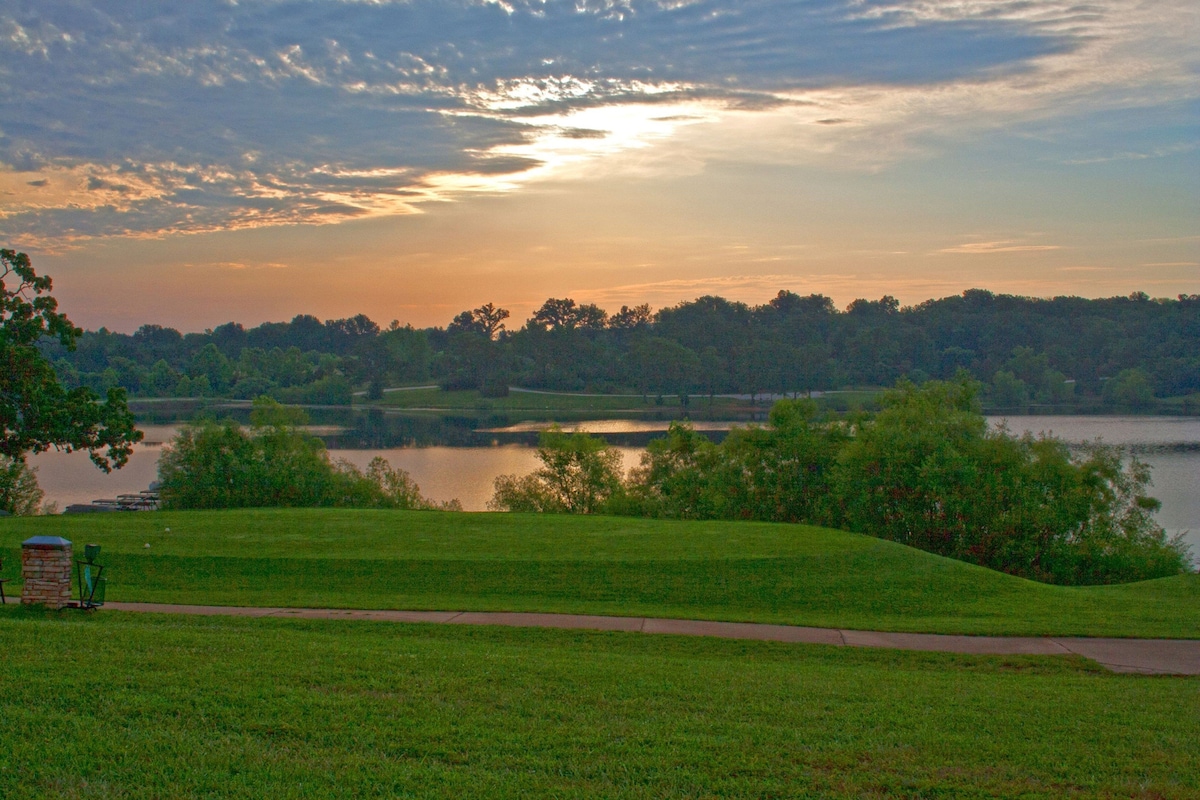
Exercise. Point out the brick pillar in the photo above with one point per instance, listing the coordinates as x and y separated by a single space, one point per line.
46 571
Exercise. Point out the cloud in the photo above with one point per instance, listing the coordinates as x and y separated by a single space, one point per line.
985 248
240 265
1135 155
158 117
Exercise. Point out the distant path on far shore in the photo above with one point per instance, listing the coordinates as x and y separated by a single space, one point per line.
1145 656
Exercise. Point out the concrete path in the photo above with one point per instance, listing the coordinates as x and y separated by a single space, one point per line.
1147 656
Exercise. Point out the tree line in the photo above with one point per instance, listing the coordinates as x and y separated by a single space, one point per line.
1065 352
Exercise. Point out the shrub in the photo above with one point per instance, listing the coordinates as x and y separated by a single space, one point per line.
274 463
580 475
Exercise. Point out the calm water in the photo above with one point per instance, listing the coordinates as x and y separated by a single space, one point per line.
1170 445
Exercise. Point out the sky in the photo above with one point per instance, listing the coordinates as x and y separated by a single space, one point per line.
190 164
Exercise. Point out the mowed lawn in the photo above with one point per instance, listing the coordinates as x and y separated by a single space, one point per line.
120 705
602 565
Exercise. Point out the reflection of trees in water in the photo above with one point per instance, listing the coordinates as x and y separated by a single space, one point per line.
379 429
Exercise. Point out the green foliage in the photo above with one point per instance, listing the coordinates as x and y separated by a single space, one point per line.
909 474
675 479
1129 390
778 473
36 411
926 471
383 486
663 366
1120 538
1009 391
333 389
274 464
1056 352
579 475
20 494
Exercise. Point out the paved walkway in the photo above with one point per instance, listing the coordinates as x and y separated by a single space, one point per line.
1147 656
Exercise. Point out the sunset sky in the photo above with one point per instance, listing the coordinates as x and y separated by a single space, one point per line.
192 163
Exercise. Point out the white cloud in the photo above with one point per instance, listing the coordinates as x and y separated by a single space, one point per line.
210 115
986 248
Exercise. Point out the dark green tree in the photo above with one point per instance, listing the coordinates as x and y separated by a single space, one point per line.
928 472
1129 390
275 463
36 411
487 321
580 474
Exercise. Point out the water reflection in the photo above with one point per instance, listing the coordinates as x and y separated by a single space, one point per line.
463 473
1139 434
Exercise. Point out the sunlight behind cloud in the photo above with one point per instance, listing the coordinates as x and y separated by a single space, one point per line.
869 133
354 109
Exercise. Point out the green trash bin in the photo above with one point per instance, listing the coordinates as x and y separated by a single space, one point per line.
98 595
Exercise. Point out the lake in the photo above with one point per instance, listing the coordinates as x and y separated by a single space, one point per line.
1170 445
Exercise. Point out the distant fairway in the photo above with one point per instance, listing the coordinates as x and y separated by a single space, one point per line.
600 565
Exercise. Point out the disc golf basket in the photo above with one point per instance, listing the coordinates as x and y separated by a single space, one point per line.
90 577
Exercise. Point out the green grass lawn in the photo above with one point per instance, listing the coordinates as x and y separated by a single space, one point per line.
118 705
602 565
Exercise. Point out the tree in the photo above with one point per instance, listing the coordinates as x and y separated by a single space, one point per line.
20 494
580 475
487 321
662 366
677 477
630 318
36 411
565 314
928 472
1009 391
212 364
275 464
782 472
1129 389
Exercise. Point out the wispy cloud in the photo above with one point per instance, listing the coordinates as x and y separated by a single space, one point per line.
986 248
156 118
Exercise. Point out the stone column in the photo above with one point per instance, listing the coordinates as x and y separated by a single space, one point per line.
46 571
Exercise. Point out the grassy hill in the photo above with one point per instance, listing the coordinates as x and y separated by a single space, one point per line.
705 570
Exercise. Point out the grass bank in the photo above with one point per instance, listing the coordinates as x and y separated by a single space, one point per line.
140 706
601 565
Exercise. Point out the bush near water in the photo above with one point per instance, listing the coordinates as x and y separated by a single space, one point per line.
926 471
274 463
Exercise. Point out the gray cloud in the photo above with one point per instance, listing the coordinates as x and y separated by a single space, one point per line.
192 116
